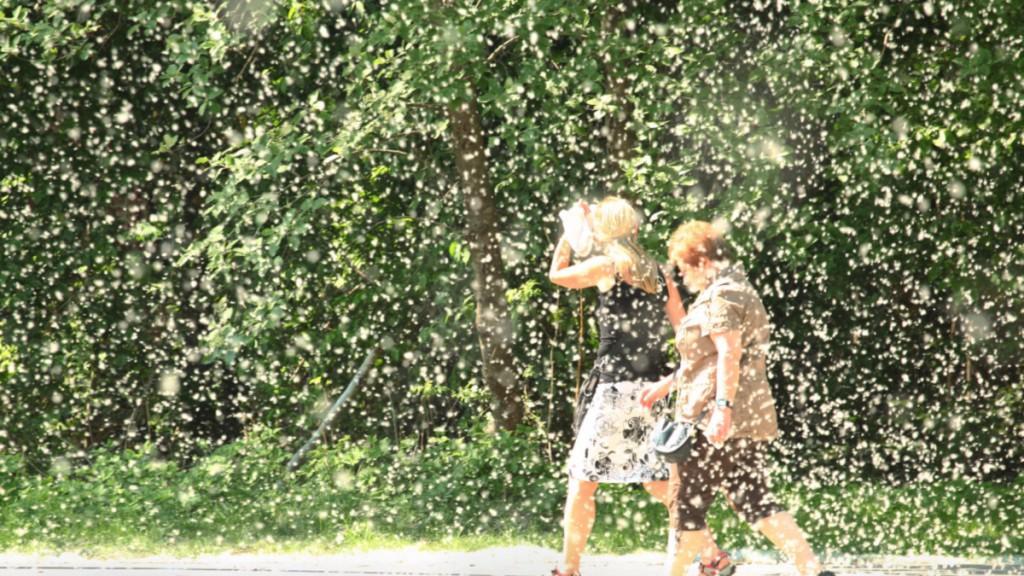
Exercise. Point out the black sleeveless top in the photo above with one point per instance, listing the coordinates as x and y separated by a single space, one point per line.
631 322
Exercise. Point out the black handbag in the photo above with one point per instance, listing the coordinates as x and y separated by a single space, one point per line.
585 395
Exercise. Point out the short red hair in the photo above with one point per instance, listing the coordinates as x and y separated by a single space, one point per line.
697 239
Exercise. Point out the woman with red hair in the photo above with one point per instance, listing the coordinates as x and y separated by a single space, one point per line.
722 380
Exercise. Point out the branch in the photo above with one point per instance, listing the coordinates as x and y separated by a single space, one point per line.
387 151
252 54
498 50
299 457
421 106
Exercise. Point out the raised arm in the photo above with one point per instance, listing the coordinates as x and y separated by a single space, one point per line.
582 275
674 308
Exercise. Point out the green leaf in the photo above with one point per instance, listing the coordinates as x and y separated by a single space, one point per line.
168 142
458 252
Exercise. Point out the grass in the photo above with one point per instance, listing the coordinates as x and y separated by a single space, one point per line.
495 491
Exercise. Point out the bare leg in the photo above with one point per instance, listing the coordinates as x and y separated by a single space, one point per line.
782 530
580 511
660 491
709 553
686 545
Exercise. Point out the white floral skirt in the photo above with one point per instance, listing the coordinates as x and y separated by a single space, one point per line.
613 444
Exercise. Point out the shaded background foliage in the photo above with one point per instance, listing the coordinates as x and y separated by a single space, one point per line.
210 212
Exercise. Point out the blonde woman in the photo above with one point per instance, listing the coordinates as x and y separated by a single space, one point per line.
612 444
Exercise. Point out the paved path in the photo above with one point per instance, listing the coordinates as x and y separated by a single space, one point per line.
516 561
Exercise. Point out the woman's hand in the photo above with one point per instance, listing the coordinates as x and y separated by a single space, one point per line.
719 427
655 391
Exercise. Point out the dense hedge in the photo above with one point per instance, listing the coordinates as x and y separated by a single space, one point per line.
209 212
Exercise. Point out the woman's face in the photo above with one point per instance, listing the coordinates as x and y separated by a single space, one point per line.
695 277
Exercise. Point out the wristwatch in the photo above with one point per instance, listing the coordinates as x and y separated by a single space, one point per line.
723 403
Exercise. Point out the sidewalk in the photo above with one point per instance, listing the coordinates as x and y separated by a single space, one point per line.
515 561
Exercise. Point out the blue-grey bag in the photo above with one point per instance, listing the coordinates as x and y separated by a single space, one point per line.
673 441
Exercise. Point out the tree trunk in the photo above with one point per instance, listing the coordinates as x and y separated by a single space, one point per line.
620 139
481 234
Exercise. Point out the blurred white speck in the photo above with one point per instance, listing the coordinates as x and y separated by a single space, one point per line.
61 466
957 189
170 384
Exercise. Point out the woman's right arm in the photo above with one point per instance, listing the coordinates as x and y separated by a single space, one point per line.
582 275
560 259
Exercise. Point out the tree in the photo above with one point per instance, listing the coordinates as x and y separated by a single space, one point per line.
489 286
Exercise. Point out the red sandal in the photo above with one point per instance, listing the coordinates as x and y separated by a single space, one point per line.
721 566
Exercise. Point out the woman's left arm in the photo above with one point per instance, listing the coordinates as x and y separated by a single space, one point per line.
729 346
674 308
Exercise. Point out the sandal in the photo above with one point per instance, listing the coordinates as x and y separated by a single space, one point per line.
557 572
721 566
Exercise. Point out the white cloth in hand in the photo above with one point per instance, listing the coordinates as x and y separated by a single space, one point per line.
577 230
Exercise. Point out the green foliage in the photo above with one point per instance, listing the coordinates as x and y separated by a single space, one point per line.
208 213
491 485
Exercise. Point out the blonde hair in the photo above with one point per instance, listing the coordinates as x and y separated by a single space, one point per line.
615 223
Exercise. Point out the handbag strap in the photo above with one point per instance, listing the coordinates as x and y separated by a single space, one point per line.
579 348
679 397
678 390
595 372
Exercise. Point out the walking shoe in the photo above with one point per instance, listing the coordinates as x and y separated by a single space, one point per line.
557 572
721 566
